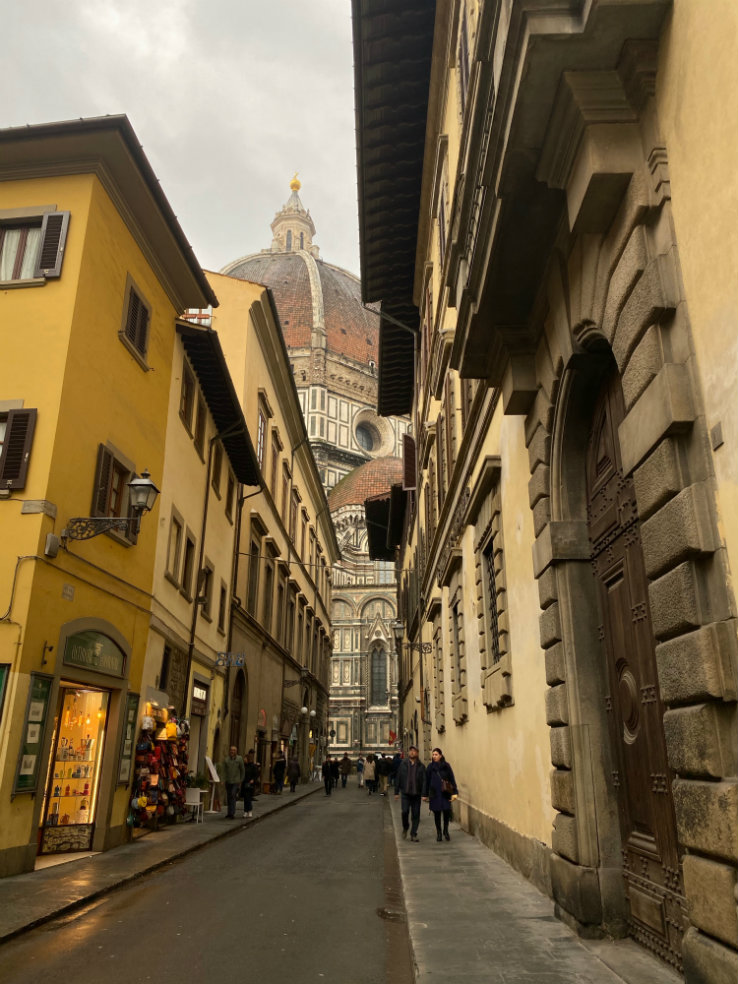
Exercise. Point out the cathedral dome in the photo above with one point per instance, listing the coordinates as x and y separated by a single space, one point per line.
319 304
373 478
312 295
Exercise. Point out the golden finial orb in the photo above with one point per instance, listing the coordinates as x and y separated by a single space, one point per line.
294 183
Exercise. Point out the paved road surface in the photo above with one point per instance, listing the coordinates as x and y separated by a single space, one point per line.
311 895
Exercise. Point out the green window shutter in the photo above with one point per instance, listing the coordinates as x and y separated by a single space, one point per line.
103 477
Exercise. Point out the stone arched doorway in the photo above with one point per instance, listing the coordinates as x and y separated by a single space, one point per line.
640 777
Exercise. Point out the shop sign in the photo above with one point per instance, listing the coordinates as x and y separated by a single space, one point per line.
199 703
94 651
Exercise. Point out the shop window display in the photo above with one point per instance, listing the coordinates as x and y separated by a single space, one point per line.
160 769
72 791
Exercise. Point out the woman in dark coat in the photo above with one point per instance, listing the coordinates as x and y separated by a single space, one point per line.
438 800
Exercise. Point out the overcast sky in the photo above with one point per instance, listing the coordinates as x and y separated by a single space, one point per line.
227 97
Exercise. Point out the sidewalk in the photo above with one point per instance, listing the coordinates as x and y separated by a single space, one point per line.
473 919
36 897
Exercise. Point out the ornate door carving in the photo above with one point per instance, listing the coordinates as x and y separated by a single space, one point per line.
641 776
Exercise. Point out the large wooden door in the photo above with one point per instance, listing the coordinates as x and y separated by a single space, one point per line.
640 778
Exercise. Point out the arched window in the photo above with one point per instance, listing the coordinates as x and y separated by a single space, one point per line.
289 239
302 240
378 680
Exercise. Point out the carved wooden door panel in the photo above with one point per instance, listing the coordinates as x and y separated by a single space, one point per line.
641 775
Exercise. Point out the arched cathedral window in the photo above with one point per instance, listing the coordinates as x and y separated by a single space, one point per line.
289 239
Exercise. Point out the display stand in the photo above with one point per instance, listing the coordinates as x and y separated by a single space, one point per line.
214 780
160 778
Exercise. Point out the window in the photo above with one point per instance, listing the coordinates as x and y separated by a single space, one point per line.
289 239
110 492
205 591
188 566
135 326
222 607
442 228
217 467
285 492
32 248
200 423
293 514
187 396
462 62
267 600
253 589
16 437
378 677
230 494
261 438
276 448
302 240
494 642
174 548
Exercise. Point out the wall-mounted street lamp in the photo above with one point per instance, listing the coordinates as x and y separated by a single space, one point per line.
398 631
142 496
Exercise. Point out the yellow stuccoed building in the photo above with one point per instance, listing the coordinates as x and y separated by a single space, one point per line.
94 270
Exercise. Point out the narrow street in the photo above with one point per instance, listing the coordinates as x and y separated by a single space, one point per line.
303 896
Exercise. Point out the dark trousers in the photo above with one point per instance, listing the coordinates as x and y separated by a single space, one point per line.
231 794
328 783
446 814
248 796
344 778
410 808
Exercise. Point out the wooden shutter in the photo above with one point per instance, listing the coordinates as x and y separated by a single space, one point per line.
103 477
137 322
17 448
409 468
53 238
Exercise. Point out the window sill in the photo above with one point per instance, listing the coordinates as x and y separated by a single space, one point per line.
185 594
138 356
30 282
172 580
206 616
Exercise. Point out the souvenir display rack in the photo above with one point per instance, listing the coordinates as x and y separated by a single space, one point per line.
160 777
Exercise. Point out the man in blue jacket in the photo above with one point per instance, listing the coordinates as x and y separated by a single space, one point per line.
410 784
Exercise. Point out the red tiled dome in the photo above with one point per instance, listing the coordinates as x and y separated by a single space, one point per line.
351 330
370 479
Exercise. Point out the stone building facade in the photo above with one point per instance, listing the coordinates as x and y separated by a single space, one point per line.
568 601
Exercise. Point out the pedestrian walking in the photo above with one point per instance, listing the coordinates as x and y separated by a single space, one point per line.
232 771
440 786
360 770
410 786
384 766
344 767
252 773
293 773
370 773
334 772
278 770
327 774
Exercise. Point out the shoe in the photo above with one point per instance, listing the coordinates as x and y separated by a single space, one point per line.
439 838
404 834
414 838
245 816
249 814
445 834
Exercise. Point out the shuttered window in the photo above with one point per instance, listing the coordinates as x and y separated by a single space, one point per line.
33 249
409 468
16 436
136 316
110 492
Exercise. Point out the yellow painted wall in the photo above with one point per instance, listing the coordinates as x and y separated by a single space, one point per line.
69 363
697 97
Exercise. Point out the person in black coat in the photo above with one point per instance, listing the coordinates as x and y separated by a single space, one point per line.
410 784
440 786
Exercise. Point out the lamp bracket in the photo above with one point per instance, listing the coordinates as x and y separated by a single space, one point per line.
85 527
